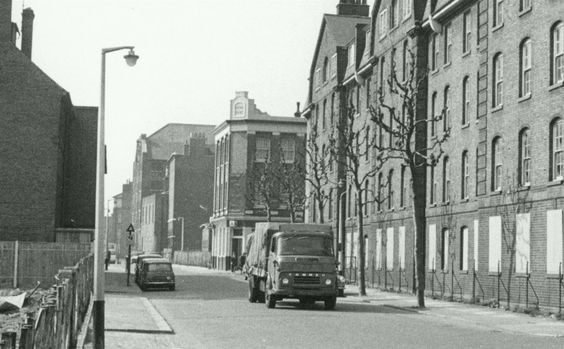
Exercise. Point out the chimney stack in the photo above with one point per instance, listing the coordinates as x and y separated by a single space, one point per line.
5 20
352 8
27 31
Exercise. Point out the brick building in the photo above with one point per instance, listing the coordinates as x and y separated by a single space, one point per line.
48 147
149 198
494 198
120 219
190 193
249 138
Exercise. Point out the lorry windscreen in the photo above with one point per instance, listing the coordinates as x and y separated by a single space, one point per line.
304 245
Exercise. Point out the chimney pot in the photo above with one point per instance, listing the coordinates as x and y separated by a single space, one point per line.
27 31
5 20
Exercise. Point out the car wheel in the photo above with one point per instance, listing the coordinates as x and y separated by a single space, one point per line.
330 303
270 300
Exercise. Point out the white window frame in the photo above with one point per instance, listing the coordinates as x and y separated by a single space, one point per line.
333 65
406 8
525 143
465 100
498 13
262 149
498 80
383 23
558 53
557 149
526 67
466 31
447 37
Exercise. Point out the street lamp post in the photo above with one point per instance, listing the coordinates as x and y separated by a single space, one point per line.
341 228
98 303
181 233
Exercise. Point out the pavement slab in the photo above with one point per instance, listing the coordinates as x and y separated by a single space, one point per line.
133 314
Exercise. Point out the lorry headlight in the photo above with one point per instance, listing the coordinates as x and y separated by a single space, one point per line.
328 281
285 281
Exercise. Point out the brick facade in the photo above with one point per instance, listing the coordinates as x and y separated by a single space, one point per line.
465 245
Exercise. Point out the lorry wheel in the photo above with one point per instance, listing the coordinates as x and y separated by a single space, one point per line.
270 300
261 297
252 292
330 303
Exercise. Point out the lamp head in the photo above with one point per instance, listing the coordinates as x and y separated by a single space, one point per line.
131 58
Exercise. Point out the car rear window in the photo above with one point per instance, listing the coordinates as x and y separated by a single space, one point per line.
159 267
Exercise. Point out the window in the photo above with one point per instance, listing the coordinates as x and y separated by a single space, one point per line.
391 134
323 121
465 101
351 54
332 109
390 190
317 78
525 157
406 8
557 61
333 65
367 143
525 65
557 149
433 196
393 68
433 113
525 5
402 187
330 205
379 194
262 152
497 164
476 176
368 81
394 14
325 69
464 248
447 43
498 13
365 204
404 61
465 175
498 80
289 149
466 31
446 110
446 180
357 106
434 52
383 22
445 235
382 76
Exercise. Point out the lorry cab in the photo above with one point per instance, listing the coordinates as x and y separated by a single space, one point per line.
292 261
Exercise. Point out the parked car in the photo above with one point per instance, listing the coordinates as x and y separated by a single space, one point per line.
139 263
156 272
113 257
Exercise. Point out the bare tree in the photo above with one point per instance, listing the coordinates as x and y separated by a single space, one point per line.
263 185
317 163
400 114
513 202
351 147
291 176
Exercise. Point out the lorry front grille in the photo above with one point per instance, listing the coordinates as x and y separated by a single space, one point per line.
306 279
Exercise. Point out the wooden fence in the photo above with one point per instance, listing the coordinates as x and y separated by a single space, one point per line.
196 258
22 264
61 314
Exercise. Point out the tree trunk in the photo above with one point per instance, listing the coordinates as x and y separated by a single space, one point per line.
361 249
419 231
321 213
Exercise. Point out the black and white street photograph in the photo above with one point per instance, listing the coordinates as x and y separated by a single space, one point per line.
280 174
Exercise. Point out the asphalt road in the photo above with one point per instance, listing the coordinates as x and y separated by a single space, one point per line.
211 311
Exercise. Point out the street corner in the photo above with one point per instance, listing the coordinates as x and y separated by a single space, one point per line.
134 314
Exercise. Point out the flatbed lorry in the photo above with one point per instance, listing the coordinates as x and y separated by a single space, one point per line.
291 260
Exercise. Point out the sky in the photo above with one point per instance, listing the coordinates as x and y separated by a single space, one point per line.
194 55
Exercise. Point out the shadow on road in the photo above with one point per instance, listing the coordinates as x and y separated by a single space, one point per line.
343 308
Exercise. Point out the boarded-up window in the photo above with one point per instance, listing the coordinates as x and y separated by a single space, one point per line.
432 246
476 244
378 249
390 248
401 247
553 241
495 245
523 243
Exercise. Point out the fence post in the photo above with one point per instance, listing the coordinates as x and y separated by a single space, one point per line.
474 283
527 288
560 289
498 281
16 258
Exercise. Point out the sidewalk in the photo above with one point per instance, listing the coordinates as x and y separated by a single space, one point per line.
469 315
